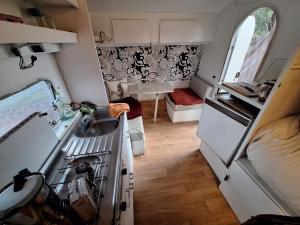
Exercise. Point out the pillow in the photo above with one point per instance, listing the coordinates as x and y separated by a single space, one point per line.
135 107
115 89
287 127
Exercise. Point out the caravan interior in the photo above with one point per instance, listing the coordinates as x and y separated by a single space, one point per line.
149 112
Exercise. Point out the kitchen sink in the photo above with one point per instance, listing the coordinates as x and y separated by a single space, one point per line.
98 124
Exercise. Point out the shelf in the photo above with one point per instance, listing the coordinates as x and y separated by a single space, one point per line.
71 3
251 100
112 44
13 33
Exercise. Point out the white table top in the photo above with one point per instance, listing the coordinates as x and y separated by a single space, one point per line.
150 88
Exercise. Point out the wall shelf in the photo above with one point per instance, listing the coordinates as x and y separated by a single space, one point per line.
70 3
13 33
112 44
251 100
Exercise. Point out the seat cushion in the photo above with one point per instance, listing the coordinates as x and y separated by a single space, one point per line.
185 96
182 107
135 107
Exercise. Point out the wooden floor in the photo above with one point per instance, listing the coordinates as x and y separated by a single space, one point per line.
173 183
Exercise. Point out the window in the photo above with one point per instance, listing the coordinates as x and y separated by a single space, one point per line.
249 45
38 97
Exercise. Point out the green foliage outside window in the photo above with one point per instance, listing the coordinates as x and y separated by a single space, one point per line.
263 20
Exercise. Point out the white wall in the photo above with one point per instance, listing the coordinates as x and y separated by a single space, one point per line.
102 21
13 79
285 41
79 62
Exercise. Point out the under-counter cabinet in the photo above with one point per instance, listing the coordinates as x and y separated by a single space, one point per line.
221 129
244 196
127 217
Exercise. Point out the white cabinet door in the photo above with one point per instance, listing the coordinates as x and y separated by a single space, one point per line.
127 217
214 161
178 31
236 203
253 197
127 154
220 132
131 31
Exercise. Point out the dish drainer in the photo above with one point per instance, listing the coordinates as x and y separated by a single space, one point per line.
94 150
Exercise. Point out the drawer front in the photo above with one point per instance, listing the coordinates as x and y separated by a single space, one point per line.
214 161
127 215
220 132
236 203
257 201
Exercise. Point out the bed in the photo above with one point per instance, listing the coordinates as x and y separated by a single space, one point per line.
274 154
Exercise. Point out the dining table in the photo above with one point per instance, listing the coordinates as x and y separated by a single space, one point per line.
155 87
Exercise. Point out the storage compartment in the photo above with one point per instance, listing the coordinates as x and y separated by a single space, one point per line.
234 200
131 31
248 195
222 129
126 217
187 30
214 161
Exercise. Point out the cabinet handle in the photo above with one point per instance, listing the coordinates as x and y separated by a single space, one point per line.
128 196
123 206
124 171
131 176
226 178
131 185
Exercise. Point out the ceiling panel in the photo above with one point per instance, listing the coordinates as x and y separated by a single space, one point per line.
168 6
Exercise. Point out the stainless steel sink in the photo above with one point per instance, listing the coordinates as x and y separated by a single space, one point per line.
98 124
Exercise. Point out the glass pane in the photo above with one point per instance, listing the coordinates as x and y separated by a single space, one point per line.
17 107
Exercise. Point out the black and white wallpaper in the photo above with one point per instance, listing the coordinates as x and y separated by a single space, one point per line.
148 63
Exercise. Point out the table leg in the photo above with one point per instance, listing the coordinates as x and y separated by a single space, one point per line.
156 107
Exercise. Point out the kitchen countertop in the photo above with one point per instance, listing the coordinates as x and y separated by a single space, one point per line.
110 145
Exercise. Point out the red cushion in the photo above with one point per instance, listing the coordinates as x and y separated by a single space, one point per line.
185 96
135 107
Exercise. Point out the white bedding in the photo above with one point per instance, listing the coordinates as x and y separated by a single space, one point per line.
275 155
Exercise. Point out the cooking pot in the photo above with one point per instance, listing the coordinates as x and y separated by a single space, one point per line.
28 200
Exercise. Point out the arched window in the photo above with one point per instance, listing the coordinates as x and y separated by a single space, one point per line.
249 45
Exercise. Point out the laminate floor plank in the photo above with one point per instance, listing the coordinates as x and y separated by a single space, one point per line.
174 185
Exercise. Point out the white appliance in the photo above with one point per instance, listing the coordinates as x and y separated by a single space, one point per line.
222 129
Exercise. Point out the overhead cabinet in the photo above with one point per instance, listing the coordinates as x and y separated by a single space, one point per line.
131 31
23 33
185 31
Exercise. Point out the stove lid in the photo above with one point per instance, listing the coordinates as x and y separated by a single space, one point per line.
11 200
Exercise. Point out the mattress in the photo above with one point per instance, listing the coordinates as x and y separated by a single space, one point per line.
275 155
182 107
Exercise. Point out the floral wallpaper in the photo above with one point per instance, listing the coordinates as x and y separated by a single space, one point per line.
148 63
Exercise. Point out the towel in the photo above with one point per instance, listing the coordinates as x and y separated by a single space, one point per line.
116 109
